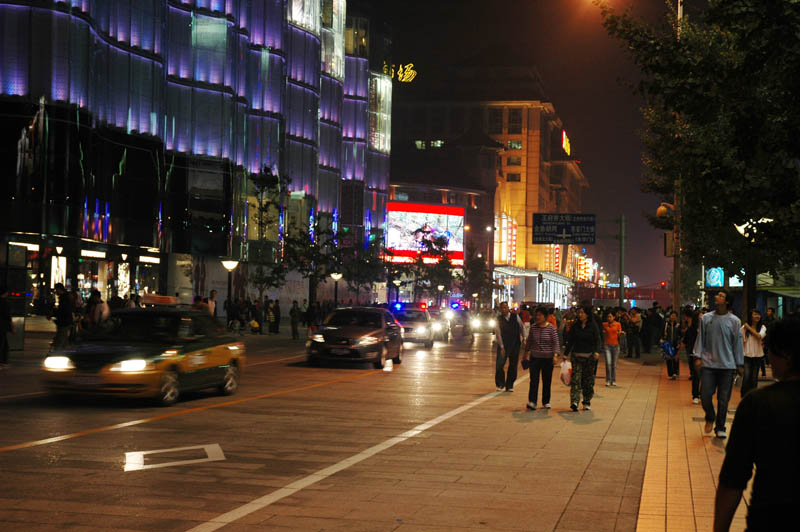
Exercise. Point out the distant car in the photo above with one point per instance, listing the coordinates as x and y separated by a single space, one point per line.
416 323
440 323
483 322
357 334
156 352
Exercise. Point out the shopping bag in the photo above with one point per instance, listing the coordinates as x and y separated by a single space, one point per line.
566 372
667 350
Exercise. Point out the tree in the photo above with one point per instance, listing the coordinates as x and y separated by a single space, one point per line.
475 277
722 125
363 263
314 257
437 270
268 269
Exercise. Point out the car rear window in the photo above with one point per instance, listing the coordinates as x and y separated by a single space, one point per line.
353 318
410 315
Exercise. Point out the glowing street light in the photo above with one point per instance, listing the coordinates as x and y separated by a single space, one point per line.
230 265
336 276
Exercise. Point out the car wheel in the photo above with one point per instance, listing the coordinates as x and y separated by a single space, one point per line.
169 391
230 382
381 360
399 358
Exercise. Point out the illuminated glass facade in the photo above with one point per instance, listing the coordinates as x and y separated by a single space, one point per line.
137 122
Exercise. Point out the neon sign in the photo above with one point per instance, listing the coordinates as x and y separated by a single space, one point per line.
565 142
404 73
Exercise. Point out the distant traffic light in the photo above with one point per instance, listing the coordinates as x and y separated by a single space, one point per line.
663 284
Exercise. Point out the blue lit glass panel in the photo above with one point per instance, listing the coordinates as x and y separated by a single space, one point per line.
209 41
356 79
14 50
353 159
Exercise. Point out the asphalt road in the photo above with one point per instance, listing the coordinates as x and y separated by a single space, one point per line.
424 445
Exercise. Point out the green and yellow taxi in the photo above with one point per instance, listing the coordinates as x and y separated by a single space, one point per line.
155 353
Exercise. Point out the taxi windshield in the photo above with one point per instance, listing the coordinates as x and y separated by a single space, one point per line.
138 328
354 318
410 315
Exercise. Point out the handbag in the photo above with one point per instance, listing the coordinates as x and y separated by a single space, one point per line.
566 372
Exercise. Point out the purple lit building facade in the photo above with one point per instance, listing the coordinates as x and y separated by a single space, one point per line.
127 135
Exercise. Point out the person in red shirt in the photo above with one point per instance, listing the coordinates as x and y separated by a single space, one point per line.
611 332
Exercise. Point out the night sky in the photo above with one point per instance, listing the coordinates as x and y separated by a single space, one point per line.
586 76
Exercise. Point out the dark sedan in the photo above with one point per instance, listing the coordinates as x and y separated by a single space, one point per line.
359 334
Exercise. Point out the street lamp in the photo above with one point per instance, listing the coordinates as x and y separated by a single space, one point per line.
230 265
336 276
663 212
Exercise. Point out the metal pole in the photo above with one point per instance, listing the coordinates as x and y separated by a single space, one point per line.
621 260
335 294
676 252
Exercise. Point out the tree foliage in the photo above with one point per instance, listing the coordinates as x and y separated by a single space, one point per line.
363 263
268 270
475 277
722 123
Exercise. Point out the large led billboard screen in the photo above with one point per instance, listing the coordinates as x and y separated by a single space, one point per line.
408 224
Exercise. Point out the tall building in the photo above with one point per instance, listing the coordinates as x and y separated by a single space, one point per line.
129 135
538 171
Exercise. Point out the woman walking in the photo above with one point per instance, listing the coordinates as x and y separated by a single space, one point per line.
753 333
541 349
583 348
612 330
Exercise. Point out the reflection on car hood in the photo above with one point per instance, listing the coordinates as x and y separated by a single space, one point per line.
347 332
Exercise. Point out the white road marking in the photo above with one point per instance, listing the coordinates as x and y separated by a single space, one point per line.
31 394
135 461
290 489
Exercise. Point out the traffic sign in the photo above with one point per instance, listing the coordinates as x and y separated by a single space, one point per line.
563 228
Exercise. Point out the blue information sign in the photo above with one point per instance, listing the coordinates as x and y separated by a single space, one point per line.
563 228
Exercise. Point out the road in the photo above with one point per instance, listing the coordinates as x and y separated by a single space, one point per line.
425 445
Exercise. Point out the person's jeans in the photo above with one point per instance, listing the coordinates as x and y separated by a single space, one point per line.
545 367
582 379
695 376
673 366
502 380
634 345
612 354
721 382
750 374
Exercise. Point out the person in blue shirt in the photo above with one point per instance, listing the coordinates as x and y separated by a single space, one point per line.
719 345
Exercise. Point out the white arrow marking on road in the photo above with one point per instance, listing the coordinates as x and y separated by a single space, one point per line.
135 461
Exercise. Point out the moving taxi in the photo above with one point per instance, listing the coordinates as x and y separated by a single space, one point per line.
154 352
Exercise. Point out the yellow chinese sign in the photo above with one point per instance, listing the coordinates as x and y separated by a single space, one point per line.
404 73
565 142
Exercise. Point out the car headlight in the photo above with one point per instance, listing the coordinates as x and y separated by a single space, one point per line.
368 340
436 327
134 364
58 363
475 323
422 330
449 314
492 323
317 338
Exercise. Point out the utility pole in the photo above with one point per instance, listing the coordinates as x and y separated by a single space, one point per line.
676 252
621 260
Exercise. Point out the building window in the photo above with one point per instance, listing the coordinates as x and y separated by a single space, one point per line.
514 160
496 121
514 145
515 177
438 143
420 144
514 121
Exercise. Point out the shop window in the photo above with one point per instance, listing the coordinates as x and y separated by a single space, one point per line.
420 144
514 160
514 121
438 143
514 177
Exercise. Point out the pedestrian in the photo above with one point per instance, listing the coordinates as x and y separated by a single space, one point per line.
212 303
583 348
295 315
765 435
753 334
199 304
612 330
276 317
100 310
541 348
672 334
508 335
635 334
304 312
719 343
688 339
769 320
62 316
6 326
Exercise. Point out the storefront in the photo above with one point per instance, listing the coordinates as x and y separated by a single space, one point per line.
519 285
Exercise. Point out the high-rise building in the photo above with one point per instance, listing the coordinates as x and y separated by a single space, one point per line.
129 130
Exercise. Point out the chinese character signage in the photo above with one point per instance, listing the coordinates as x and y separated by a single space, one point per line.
563 228
404 73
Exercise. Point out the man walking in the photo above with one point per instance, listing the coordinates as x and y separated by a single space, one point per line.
6 326
719 345
63 317
295 314
508 335
212 303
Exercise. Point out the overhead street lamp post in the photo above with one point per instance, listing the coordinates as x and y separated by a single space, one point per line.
230 265
397 283
336 276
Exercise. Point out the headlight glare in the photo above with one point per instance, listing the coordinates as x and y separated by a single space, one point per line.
134 364
449 315
58 363
436 327
492 323
317 338
368 340
422 329
475 323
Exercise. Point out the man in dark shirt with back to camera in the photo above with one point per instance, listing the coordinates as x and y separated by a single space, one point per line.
766 433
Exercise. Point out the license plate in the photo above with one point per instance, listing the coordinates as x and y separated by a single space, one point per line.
340 351
86 380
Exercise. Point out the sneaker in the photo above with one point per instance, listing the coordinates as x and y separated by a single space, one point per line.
721 434
509 390
608 384
547 406
614 384
696 400
531 406
672 377
708 427
586 406
574 407
500 388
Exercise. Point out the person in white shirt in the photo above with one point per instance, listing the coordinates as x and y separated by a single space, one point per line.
753 333
212 303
